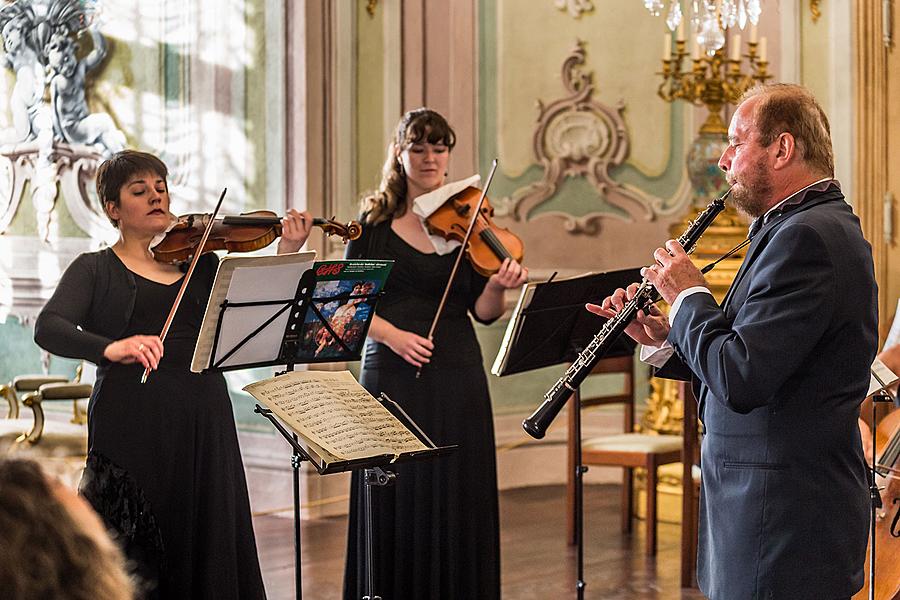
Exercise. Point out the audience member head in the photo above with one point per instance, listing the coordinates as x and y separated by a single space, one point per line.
52 544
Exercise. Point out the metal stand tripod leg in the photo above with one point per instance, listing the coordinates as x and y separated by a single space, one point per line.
296 460
374 476
580 470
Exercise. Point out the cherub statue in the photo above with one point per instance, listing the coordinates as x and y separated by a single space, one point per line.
72 118
17 23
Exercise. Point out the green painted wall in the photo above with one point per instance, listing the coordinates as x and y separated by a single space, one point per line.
368 118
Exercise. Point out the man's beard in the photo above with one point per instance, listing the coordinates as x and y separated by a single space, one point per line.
751 193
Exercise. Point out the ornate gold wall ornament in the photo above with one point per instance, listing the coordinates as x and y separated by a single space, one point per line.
577 137
815 10
575 7
371 5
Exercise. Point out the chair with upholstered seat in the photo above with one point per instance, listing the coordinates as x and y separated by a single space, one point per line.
37 435
14 426
22 385
59 445
629 450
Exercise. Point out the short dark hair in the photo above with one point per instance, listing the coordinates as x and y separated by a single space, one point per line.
117 170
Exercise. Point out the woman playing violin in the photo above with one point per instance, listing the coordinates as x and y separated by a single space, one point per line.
164 469
436 528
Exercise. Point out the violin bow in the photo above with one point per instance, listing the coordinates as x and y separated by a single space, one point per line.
459 256
187 278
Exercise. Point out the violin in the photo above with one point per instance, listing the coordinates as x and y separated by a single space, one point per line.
887 518
244 233
489 244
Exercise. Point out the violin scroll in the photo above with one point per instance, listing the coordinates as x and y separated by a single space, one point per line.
351 231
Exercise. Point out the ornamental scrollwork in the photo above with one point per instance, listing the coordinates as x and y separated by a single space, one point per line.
579 137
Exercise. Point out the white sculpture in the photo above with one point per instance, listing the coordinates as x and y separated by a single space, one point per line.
62 139
21 55
72 119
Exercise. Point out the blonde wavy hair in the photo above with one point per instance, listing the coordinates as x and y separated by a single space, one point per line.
418 126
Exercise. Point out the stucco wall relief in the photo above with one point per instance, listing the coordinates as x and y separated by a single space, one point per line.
576 136
58 141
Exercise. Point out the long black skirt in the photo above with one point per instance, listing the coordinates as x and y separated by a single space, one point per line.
165 473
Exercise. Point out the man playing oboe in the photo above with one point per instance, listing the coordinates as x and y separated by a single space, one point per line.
780 368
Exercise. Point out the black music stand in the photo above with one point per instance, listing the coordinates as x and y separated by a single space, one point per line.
551 326
376 472
287 330
879 391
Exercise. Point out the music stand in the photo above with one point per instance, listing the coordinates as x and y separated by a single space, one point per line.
879 391
272 310
550 326
376 472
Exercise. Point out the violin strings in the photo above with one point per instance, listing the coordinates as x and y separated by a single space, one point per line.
890 454
494 244
250 220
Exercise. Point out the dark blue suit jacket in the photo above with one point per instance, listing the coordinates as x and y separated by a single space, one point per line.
782 367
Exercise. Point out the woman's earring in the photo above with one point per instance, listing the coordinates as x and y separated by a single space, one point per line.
400 166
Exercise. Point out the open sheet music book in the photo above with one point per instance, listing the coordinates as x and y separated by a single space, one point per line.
335 416
886 376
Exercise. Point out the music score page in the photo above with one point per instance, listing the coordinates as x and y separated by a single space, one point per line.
335 415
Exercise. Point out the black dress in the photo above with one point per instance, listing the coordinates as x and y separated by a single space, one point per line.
164 469
437 527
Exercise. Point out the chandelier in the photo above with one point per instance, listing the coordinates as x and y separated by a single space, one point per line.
709 19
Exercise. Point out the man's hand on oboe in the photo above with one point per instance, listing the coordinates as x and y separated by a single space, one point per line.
673 272
650 327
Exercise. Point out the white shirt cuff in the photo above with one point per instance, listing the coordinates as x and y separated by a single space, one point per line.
657 356
680 298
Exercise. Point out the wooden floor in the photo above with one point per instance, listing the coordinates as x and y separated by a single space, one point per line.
536 562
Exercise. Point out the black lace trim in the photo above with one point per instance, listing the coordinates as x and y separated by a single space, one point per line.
125 510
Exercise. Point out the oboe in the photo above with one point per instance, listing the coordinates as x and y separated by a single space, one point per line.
536 425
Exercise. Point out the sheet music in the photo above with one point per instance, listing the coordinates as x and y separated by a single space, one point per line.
335 414
884 373
249 279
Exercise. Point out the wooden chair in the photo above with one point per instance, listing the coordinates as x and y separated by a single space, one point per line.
628 450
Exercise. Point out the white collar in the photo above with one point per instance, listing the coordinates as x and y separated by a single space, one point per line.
804 188
426 204
781 203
